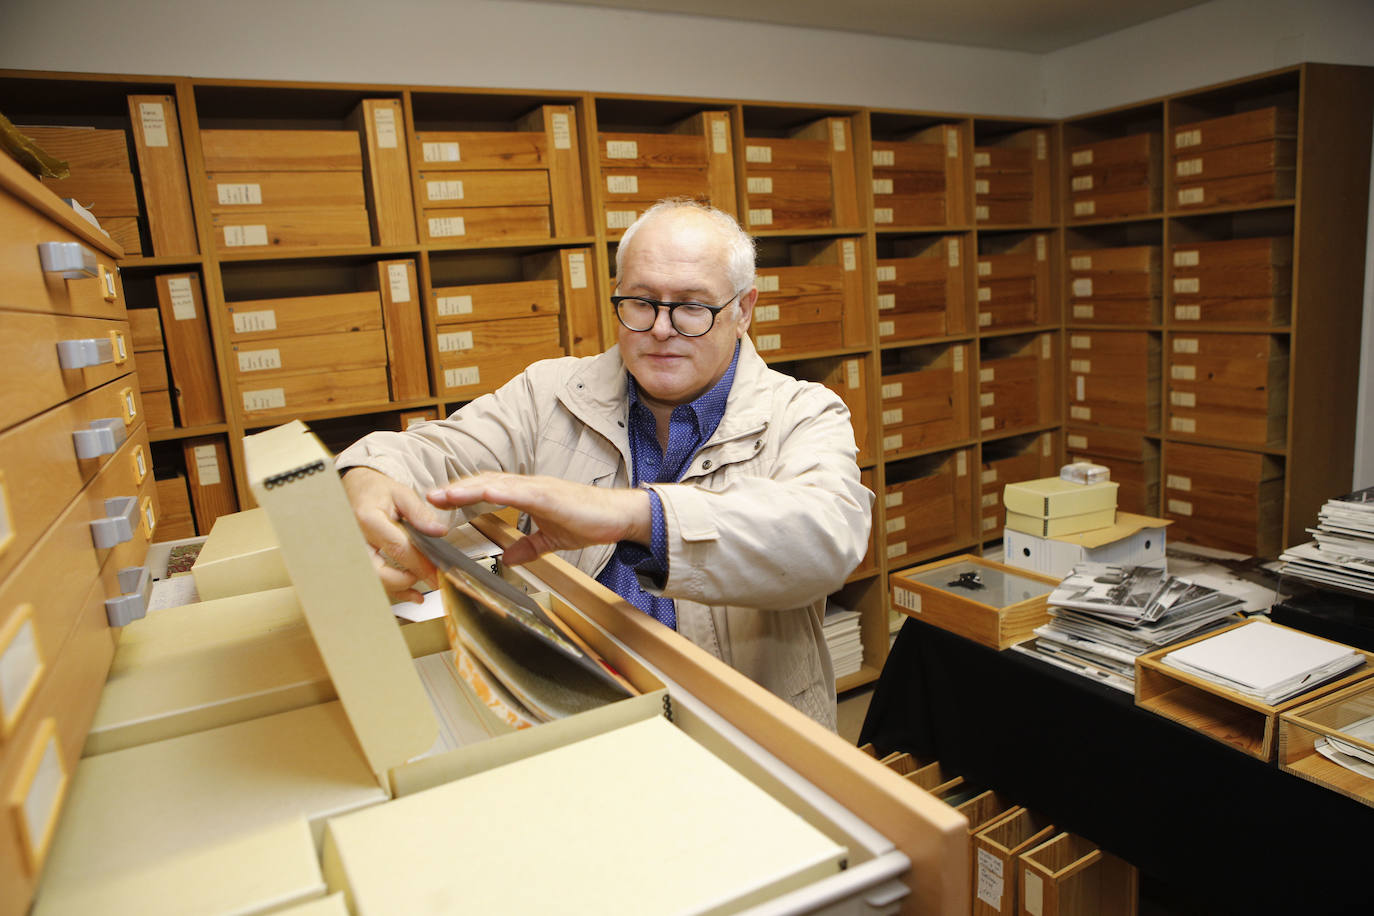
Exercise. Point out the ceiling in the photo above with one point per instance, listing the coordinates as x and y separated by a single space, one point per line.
1035 26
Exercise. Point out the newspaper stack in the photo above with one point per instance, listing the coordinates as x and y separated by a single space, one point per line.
1343 552
841 629
1103 616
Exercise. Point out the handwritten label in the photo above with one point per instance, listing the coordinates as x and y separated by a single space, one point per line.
444 190
245 236
990 883
442 227
882 186
1185 344
851 370
982 160
882 215
884 158
207 465
154 120
266 399
238 193
1183 424
259 360
1082 157
1188 196
1186 138
720 138
767 342
1188 312
620 219
887 273
768 283
1082 183
849 256
766 313
254 322
1179 482
577 270
455 341
763 185
1081 365
1183 373
398 281
1188 168
1187 284
1183 398
562 130
462 377
1084 207
441 152
761 217
892 390
892 443
981 186
384 122
449 306
1080 342
760 154
622 184
887 301
1084 312
1081 262
959 359
953 252
1186 258
183 302
892 417
905 598
886 328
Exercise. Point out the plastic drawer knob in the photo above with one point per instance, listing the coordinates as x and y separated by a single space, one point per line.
70 259
89 351
102 438
137 583
118 524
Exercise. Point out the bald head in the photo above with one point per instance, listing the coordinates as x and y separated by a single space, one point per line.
690 219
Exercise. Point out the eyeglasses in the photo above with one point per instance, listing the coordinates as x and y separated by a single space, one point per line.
690 319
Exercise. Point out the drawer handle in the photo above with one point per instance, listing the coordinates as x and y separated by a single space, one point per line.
104 437
90 351
118 524
137 584
70 259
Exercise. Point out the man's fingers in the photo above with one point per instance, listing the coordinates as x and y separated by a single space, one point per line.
415 510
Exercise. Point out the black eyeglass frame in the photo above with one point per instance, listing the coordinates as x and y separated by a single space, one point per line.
672 307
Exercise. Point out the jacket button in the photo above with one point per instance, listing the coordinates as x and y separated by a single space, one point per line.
706 465
758 444
620 423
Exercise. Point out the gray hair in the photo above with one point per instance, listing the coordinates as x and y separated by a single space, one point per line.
740 251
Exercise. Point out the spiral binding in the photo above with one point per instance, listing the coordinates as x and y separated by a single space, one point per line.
277 480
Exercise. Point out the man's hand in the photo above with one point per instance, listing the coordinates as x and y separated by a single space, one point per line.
378 504
566 515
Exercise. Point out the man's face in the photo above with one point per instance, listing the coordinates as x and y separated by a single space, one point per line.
680 257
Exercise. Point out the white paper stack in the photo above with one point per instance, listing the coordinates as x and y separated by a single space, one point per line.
1266 662
841 629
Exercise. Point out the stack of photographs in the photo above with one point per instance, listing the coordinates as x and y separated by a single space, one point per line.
1342 553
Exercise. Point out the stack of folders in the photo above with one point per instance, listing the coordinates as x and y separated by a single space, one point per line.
1342 553
1265 662
1103 616
1351 756
841 628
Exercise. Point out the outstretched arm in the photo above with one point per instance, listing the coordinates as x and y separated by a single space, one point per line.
379 503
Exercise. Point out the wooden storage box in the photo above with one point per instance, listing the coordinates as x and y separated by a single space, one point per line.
811 181
484 355
1128 150
1115 285
910 211
789 198
175 520
1034 460
1016 383
1115 204
1243 189
494 188
1254 126
1221 497
1114 379
297 316
1069 876
996 850
265 230
230 192
1230 161
252 361
1343 715
786 339
929 506
491 301
281 150
486 224
105 192
924 398
1132 460
1238 281
1246 724
921 289
287 394
462 150
1229 387
1008 606
650 184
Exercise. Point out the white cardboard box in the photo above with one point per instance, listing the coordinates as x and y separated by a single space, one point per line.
1135 540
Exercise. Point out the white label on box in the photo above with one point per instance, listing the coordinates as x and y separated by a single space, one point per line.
441 227
1041 247
892 500
953 252
851 371
1183 398
1083 311
384 121
887 301
886 329
887 273
441 152
849 255
207 465
989 523
892 390
980 212
1082 183
266 399
1191 195
766 342
1183 424
892 417
259 360
183 303
761 217
1081 365
1188 258
1186 138
980 186
1188 312
1042 145
1185 344
620 219
720 139
1082 157
1080 342
444 190
20 667
1081 262
882 186
462 377
1034 893
1187 284
1180 507
984 319
764 313
959 359
987 423
762 185
1046 346
758 153
1183 373
233 194
1078 441
154 121
884 158
892 443
562 130
1083 287
882 214
241 236
1187 168
984 268
1084 207
398 279
987 374
981 160
455 341
624 184
987 399
989 476
990 884
455 305
895 524
768 283
251 322
952 142
837 135
1079 412
905 598
622 149
577 270
984 294
1046 446
1080 385
1179 482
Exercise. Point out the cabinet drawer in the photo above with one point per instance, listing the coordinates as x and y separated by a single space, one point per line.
252 362
651 151
498 188
30 372
492 301
28 288
262 318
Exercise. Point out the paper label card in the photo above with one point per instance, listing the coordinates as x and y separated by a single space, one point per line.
207 465
233 194
577 270
622 149
562 130
183 303
720 137
851 369
154 121
441 152
462 377
21 668
384 122
251 322
259 360
245 236
455 341
398 281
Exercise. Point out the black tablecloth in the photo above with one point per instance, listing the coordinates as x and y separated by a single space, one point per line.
1211 829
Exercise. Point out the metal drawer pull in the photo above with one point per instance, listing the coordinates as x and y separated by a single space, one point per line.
91 351
137 584
118 524
70 259
103 438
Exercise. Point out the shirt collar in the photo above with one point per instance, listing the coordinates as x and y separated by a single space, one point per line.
707 410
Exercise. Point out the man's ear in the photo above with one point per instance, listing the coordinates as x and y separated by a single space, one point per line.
746 312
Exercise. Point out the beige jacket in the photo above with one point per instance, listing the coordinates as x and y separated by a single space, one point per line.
769 519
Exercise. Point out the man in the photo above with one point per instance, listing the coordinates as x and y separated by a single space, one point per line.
713 493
